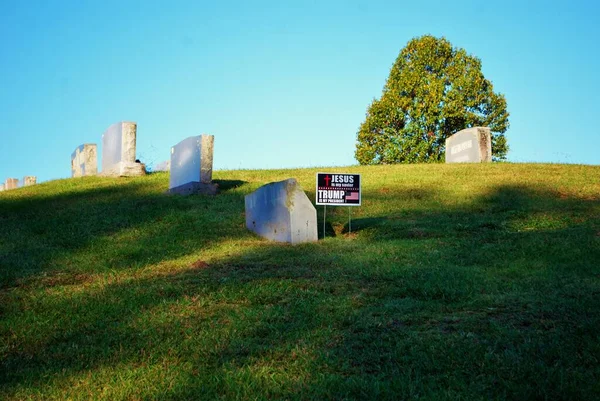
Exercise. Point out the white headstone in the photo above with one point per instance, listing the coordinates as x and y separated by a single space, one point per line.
118 151
11 183
191 164
281 211
471 145
163 166
29 180
84 160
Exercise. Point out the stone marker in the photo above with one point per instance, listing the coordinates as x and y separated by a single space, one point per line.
1 187
84 160
471 145
281 211
191 166
11 183
29 180
118 151
163 166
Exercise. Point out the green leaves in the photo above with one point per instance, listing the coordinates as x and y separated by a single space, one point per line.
433 91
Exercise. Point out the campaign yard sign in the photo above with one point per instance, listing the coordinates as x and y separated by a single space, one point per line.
336 189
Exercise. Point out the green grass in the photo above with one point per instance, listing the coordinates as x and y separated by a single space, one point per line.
457 282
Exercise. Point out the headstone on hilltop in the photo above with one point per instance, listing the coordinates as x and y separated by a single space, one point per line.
191 166
1 187
29 180
11 183
118 151
471 145
281 211
163 166
84 160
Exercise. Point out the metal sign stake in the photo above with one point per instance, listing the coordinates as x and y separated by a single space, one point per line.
324 214
349 220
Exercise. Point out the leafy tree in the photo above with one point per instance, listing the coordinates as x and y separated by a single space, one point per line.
433 91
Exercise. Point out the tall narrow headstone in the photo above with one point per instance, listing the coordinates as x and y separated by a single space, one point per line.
11 183
29 180
191 166
281 211
471 145
84 160
118 151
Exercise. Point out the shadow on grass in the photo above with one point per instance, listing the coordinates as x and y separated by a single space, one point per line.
99 228
496 299
226 185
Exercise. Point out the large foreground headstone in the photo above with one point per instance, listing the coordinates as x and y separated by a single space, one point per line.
281 211
84 160
118 151
29 180
11 183
191 166
471 145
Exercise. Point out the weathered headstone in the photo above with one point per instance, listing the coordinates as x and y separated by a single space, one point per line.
11 183
29 180
118 151
84 160
163 166
1 187
191 166
281 211
471 145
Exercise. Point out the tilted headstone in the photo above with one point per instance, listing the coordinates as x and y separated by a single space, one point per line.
281 211
11 183
29 180
191 166
84 160
163 166
118 151
471 145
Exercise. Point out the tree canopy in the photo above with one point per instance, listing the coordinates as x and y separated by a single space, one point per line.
433 91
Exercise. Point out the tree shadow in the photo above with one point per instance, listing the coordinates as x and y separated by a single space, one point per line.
412 307
53 232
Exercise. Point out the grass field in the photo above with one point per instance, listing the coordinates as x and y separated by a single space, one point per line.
457 282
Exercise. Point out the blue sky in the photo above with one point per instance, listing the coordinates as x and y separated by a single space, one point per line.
279 84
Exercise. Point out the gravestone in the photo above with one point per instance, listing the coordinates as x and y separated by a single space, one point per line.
1 187
11 183
191 166
118 151
29 180
471 145
163 166
84 160
281 211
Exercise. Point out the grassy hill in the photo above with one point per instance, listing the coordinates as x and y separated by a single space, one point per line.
456 282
